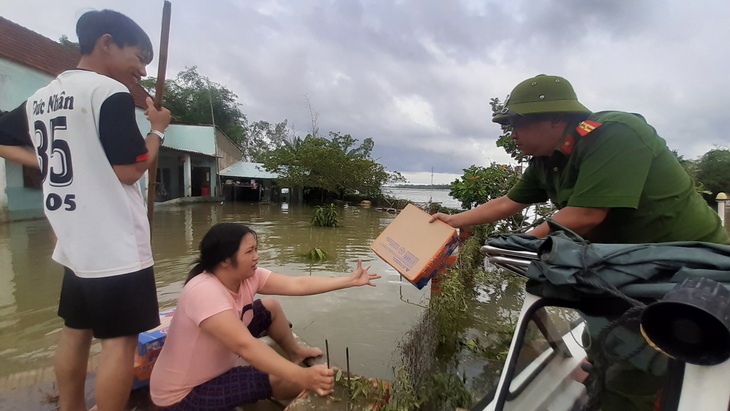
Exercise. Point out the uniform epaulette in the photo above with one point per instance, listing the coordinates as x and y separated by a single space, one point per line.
585 127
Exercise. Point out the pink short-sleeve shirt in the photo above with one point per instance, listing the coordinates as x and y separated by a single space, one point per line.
190 356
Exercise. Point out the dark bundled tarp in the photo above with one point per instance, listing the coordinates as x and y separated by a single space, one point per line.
570 267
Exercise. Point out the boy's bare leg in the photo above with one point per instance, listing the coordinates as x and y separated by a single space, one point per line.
72 359
115 374
280 332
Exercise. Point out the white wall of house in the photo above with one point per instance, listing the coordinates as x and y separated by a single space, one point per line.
187 167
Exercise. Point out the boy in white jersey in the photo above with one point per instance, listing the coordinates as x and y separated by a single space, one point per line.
81 132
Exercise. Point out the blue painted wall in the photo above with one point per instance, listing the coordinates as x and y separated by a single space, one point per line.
17 83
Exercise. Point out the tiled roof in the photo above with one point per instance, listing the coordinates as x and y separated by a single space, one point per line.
30 49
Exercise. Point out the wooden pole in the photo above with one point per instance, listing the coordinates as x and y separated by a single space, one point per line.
159 92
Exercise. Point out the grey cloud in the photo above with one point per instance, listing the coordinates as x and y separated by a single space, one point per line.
357 61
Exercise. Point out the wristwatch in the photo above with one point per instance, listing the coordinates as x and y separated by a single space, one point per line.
159 134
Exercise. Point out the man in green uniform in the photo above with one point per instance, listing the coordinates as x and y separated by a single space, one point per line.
611 176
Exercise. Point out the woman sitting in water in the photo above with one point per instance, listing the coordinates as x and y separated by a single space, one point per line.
217 320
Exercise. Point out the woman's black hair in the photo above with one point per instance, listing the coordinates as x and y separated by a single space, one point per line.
218 244
124 31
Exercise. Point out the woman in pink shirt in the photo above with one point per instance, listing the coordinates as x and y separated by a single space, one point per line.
217 321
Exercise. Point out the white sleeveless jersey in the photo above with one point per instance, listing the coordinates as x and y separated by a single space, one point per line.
100 223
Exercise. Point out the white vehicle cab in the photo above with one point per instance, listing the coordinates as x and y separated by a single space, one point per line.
547 367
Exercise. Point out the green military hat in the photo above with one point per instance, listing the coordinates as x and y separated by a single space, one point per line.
538 95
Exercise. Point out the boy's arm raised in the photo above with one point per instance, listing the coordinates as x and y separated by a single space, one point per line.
159 120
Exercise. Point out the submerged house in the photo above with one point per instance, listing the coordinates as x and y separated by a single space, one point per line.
189 160
244 181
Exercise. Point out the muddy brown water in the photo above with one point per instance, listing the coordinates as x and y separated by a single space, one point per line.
368 320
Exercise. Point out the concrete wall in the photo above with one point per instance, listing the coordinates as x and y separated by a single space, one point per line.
17 83
191 147
173 165
228 152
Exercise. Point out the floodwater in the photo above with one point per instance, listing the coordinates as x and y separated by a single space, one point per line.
368 320
424 195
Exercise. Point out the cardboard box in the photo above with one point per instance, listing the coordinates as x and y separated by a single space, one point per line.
414 247
149 345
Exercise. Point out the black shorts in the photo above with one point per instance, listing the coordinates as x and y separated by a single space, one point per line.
261 321
118 306
235 387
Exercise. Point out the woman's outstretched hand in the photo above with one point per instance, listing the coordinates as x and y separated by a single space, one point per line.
361 276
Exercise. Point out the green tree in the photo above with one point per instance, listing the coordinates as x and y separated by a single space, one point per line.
505 139
338 165
690 167
65 42
713 171
189 98
481 184
262 137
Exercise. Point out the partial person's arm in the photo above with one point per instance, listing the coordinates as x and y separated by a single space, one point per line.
581 220
228 329
278 284
20 154
15 143
489 212
159 120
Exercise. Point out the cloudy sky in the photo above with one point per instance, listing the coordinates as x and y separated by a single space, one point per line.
417 75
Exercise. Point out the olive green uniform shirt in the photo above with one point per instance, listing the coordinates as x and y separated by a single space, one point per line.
616 160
